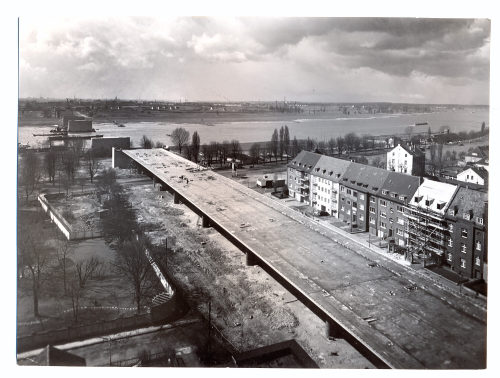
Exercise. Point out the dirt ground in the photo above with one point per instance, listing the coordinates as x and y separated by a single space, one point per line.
248 306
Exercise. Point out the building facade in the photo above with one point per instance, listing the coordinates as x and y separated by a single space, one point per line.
406 159
474 175
466 245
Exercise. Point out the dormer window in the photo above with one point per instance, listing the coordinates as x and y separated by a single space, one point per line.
385 192
402 198
418 199
467 215
440 205
429 202
479 220
394 195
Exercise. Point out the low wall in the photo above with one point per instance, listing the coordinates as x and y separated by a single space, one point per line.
54 215
63 224
119 159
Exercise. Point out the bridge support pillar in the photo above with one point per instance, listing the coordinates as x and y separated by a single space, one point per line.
205 221
251 260
177 198
332 329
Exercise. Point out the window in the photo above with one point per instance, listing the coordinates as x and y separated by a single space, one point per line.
348 212
391 221
399 232
467 216
372 199
479 220
372 210
354 204
355 194
401 221
385 192
348 202
451 212
478 261
342 188
450 257
349 191
342 208
464 233
478 245
383 214
462 263
463 247
383 203
450 228
361 218
450 242
391 210
402 198
362 197
400 208
372 220
383 224
328 191
361 207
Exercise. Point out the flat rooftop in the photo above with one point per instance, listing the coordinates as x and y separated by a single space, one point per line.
406 319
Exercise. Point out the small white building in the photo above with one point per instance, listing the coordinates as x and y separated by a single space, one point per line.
474 175
406 159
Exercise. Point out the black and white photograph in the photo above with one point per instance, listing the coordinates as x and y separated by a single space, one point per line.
272 191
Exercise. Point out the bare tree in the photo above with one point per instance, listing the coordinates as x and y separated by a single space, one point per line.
68 161
50 165
146 142
76 293
274 144
286 141
63 251
132 262
86 269
93 164
352 142
282 141
159 144
295 147
32 253
30 173
255 152
195 145
340 145
331 145
224 149
310 144
180 137
235 148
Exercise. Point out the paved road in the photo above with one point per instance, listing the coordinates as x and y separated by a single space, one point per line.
399 314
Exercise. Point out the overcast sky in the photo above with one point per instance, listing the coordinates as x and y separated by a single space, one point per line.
303 59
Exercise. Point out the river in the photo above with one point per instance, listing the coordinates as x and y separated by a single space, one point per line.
251 131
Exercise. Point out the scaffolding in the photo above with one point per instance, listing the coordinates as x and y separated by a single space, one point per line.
426 233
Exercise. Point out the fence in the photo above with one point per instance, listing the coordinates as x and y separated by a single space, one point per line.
80 332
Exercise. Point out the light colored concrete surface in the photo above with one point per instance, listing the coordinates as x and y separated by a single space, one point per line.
425 327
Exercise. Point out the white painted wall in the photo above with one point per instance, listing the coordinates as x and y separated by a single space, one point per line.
470 176
400 159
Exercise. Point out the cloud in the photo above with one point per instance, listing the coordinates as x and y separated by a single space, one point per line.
254 57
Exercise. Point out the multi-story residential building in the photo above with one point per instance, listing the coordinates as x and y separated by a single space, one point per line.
406 159
359 188
326 176
466 245
426 226
474 175
298 176
395 194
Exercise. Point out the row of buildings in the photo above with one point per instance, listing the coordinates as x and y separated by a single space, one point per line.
442 221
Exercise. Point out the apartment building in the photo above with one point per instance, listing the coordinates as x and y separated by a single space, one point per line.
326 177
426 226
466 244
406 159
359 189
395 194
298 176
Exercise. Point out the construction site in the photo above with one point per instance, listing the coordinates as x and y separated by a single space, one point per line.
393 316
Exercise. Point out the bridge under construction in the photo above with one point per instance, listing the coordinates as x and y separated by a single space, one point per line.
393 315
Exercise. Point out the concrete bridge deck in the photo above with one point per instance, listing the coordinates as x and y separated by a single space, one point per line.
394 317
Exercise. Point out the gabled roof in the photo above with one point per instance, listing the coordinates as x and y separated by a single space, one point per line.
433 196
414 151
469 201
304 161
364 178
480 171
399 187
330 168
